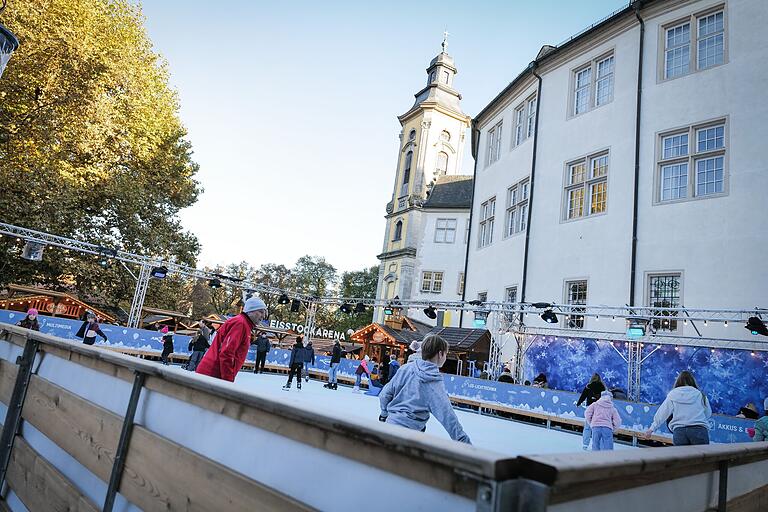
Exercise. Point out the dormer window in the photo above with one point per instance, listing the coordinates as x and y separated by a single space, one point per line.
412 135
446 77
432 77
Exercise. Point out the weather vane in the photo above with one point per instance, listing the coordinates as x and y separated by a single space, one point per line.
445 40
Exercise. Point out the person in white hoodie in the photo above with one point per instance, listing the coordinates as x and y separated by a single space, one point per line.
690 412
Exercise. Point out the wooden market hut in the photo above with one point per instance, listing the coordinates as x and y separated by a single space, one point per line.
464 345
51 303
156 318
392 337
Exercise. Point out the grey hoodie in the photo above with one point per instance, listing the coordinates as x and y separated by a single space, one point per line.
688 407
417 390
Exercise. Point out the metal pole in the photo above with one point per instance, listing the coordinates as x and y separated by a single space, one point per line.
122 446
13 416
142 285
722 494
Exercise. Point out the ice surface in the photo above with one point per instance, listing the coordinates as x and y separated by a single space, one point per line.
500 435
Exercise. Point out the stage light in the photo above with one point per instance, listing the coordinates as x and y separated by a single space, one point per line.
431 313
214 283
636 329
549 316
756 326
295 306
541 305
475 302
481 318
389 309
159 272
346 308
283 300
360 308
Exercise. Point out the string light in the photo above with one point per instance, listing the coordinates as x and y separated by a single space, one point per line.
712 350
752 353
705 322
725 324
613 318
677 348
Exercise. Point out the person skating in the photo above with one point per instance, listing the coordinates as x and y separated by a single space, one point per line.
295 364
415 348
263 346
591 394
418 390
361 368
199 345
30 321
233 339
603 418
89 330
760 431
309 359
167 345
394 365
333 370
690 411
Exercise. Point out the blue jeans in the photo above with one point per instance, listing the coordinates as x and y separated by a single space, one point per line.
683 436
358 378
586 435
602 439
332 373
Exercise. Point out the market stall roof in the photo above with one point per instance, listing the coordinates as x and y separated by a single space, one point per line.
461 339
30 294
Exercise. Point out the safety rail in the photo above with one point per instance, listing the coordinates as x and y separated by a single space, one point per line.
97 427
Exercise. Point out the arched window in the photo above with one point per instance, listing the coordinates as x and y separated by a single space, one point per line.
412 135
442 164
398 231
445 136
406 174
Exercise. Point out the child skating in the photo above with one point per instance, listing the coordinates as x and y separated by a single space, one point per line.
603 418
295 364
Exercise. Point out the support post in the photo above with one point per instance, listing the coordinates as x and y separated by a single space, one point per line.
722 493
122 445
13 416
309 321
142 285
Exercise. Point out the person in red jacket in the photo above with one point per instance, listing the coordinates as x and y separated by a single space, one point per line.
230 346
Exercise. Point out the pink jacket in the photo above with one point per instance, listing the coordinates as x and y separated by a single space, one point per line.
602 413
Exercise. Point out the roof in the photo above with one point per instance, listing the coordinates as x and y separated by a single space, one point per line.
463 339
451 192
402 336
164 312
548 51
42 293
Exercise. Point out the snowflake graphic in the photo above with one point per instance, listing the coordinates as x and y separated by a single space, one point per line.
733 357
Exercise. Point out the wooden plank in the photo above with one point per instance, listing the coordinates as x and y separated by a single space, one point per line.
162 475
159 474
8 372
754 501
40 486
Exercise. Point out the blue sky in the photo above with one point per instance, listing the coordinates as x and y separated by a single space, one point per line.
291 107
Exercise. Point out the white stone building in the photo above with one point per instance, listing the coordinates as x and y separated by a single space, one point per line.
624 166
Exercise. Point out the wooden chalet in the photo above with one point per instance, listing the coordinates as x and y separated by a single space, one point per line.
464 345
51 303
392 337
156 318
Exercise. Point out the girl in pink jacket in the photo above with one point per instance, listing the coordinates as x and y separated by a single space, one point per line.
603 417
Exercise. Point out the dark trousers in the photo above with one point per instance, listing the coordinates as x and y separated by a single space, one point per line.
261 358
164 357
683 436
295 370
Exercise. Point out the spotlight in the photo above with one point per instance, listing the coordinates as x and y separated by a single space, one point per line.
756 326
549 316
389 309
295 306
346 308
360 308
431 313
475 302
214 283
283 300
541 305
636 329
481 318
159 272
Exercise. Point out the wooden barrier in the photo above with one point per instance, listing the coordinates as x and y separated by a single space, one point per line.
426 473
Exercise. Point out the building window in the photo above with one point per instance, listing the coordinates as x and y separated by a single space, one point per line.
517 208
525 119
412 135
688 170
431 282
684 54
460 287
664 292
398 231
575 295
445 231
586 187
432 77
446 77
487 216
442 164
530 124
494 144
510 295
593 85
406 173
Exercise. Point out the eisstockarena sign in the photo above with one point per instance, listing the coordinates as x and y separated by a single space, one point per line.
315 332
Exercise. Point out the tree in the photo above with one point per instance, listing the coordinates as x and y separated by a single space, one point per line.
91 146
360 284
312 275
227 300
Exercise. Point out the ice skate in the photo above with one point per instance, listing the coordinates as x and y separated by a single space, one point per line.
298 385
335 386
287 387
356 389
328 385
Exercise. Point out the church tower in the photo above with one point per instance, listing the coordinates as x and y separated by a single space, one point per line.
431 145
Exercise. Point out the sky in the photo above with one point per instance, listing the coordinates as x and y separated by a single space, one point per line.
291 107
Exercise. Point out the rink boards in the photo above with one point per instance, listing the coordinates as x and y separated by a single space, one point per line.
201 444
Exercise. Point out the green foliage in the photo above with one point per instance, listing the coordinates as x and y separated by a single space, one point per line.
91 147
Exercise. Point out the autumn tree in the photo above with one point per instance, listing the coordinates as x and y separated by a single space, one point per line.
91 146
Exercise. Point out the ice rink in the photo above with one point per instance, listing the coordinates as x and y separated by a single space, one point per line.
500 435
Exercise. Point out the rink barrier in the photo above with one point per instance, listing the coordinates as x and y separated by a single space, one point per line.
203 444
